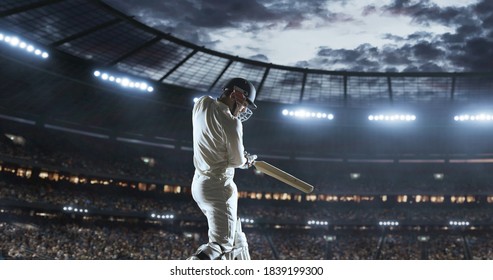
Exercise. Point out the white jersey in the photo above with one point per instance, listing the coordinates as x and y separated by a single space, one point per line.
217 139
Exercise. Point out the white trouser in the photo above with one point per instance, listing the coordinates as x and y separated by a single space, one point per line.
218 200
240 250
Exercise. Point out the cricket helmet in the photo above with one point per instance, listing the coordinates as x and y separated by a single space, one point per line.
245 87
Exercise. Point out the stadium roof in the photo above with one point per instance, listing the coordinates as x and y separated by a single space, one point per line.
96 32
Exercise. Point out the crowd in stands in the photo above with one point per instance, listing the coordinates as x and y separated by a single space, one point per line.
52 239
97 197
99 157
126 200
87 155
401 247
75 240
69 238
448 247
481 245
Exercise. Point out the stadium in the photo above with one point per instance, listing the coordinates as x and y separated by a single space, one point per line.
96 148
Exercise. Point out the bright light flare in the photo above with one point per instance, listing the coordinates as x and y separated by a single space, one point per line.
318 223
162 216
392 118
306 114
21 44
388 223
474 118
124 82
459 223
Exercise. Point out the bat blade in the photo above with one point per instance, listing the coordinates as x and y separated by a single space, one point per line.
283 176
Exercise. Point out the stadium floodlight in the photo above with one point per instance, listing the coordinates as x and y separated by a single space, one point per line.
19 43
392 117
330 238
247 221
162 216
482 117
459 223
438 176
388 223
317 223
123 81
354 176
307 114
423 238
75 209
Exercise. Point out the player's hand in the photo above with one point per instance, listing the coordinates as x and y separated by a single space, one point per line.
250 160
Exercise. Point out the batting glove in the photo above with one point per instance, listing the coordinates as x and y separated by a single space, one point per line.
250 160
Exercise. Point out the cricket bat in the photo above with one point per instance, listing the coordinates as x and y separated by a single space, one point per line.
282 176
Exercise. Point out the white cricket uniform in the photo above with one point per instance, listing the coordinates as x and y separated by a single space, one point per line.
218 150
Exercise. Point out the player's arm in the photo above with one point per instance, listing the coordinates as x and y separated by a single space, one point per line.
233 130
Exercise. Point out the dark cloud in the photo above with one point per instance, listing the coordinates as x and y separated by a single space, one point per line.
416 36
259 57
405 7
425 12
484 7
468 31
466 48
423 56
392 37
470 47
363 58
302 64
228 14
461 36
488 21
193 20
220 13
391 69
392 57
208 14
430 67
293 14
249 15
420 35
369 10
411 68
426 51
477 55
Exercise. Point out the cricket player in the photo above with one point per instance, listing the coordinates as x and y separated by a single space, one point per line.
217 151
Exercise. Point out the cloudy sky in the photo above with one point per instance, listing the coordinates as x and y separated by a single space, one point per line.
353 35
